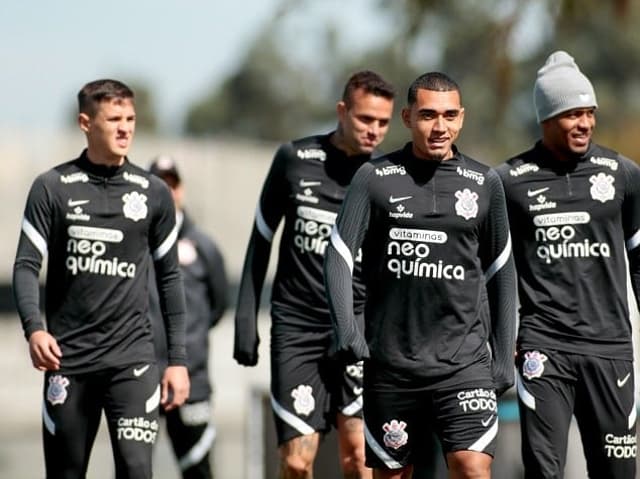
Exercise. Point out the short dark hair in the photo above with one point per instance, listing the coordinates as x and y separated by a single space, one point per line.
370 82
434 81
95 92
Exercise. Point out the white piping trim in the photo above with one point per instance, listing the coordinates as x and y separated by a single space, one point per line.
341 248
354 407
525 396
46 419
199 449
34 236
481 444
634 241
500 261
166 245
291 419
153 401
379 451
263 227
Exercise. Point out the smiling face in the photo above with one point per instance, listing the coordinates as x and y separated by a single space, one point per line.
435 120
109 130
569 134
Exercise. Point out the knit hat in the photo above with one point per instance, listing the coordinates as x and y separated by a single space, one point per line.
164 166
560 87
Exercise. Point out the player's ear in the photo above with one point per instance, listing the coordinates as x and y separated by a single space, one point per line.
84 121
406 117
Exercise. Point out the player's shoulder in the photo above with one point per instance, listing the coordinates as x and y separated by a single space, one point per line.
137 175
312 148
519 165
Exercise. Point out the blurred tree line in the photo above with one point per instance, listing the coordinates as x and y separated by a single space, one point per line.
492 48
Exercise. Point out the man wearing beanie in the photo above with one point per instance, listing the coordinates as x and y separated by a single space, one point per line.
574 211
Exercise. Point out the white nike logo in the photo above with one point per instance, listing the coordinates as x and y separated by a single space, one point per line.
400 198
137 372
623 381
486 422
531 193
305 183
73 203
357 390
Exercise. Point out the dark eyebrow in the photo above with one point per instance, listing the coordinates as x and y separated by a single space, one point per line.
434 112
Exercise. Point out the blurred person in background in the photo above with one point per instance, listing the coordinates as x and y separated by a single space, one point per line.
101 221
310 392
190 427
574 208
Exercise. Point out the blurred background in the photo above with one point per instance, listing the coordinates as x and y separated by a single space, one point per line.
219 84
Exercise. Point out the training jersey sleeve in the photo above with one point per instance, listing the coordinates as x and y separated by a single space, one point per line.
498 266
631 221
346 238
269 213
32 248
162 244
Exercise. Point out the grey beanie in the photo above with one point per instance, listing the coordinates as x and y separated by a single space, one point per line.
561 86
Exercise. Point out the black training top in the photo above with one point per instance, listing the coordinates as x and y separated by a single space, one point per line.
100 227
570 222
306 186
437 264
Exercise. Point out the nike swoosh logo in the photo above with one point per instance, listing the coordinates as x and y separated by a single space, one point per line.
73 203
400 198
137 372
531 193
486 422
623 381
305 184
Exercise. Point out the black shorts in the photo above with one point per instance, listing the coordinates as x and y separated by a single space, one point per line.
72 408
308 388
552 386
399 424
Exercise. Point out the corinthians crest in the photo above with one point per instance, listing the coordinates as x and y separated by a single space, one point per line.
135 206
303 399
394 434
602 188
57 390
533 365
467 204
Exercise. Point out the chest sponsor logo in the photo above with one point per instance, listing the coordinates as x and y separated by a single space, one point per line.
312 154
602 188
391 170
77 213
408 254
524 169
136 179
470 174
543 204
72 203
467 204
134 206
395 435
307 195
400 209
557 237
608 162
78 177
87 252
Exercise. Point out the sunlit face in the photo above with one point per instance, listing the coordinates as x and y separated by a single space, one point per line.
364 123
569 134
109 130
435 120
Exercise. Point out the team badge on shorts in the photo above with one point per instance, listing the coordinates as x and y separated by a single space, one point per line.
135 206
533 365
304 402
57 390
394 434
602 188
467 204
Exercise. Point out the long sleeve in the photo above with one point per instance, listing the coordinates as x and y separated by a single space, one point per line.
631 223
346 238
163 237
499 268
268 215
32 248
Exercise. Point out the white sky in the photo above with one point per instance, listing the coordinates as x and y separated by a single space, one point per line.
49 49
